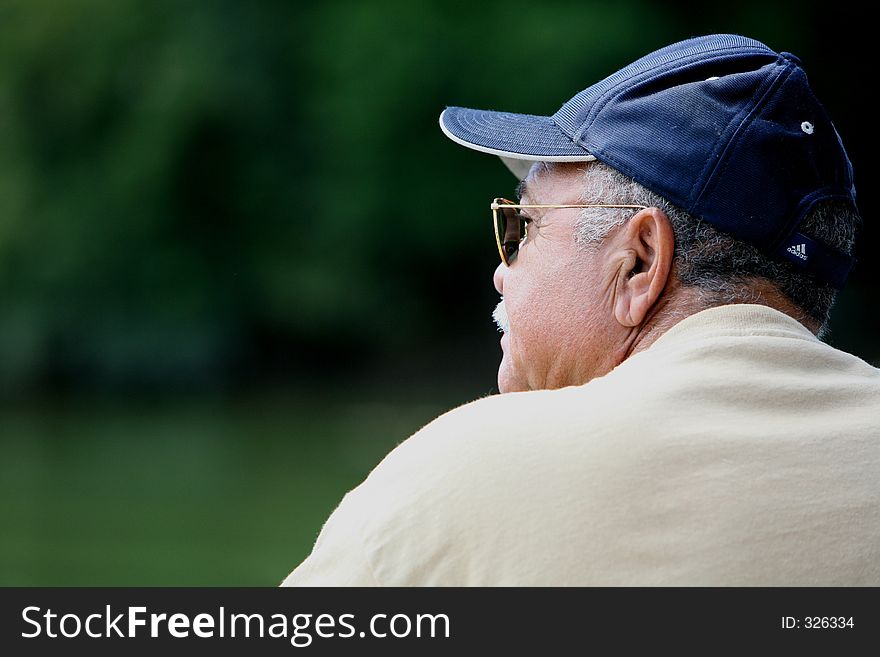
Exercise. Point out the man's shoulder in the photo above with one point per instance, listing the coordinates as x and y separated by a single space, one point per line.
499 437
501 466
504 420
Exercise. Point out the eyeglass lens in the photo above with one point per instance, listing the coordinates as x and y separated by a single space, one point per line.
511 231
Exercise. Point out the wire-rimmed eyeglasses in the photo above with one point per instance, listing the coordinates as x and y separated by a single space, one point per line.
511 227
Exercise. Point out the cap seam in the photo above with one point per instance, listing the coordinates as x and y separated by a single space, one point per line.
689 202
708 179
652 73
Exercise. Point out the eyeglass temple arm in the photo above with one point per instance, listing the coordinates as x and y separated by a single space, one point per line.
497 206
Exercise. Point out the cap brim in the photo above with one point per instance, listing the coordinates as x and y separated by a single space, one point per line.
519 140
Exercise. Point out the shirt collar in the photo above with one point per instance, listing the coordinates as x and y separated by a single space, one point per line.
738 319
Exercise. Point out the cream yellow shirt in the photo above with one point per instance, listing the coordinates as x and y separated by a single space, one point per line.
737 450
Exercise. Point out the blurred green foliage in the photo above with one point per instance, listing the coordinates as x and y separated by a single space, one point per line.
191 192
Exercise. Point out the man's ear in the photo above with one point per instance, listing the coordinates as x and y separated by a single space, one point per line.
648 243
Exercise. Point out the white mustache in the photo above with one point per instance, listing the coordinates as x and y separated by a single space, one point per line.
500 317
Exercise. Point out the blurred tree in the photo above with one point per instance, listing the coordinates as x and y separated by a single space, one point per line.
205 193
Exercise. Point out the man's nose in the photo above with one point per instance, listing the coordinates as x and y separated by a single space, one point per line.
498 278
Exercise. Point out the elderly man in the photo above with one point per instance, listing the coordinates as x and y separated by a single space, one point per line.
669 415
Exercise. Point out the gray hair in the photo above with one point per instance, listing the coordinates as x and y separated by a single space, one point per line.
720 268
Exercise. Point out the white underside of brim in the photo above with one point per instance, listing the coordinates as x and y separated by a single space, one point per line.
518 163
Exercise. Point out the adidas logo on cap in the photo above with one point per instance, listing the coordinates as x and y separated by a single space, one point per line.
800 251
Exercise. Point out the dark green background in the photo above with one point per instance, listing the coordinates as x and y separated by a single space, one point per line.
239 261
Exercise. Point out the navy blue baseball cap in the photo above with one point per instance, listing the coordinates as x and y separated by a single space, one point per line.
721 126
